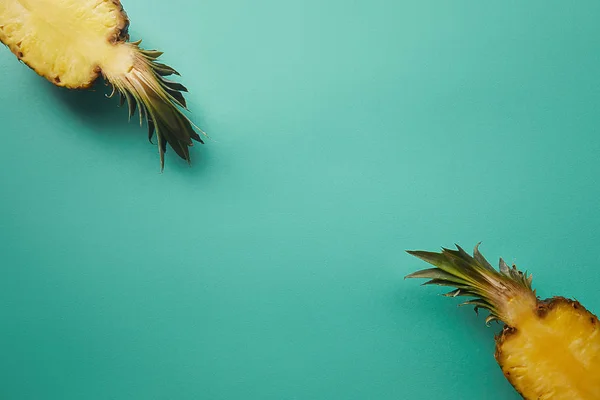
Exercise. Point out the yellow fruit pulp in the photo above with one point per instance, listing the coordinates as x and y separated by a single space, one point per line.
554 356
67 41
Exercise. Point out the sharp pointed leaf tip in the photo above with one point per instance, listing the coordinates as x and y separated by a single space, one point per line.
504 267
423 255
483 262
490 318
429 257
424 273
453 293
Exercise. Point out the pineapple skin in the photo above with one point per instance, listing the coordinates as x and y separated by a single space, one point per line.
555 355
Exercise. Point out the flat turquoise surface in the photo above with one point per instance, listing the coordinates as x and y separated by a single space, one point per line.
343 133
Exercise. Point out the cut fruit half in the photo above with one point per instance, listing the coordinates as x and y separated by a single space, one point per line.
549 349
73 42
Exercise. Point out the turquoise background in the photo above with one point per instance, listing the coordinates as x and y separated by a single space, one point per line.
343 133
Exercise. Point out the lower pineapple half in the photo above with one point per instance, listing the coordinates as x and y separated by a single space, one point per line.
548 349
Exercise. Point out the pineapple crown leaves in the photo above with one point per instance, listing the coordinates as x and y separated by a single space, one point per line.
473 276
159 101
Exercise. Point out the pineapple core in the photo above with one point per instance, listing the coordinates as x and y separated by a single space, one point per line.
67 41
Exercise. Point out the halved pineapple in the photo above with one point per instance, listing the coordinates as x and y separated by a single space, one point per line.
548 349
72 42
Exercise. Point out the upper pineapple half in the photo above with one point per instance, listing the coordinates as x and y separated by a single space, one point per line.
72 42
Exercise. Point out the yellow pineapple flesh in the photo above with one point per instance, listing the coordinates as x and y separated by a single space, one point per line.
548 349
73 42
554 355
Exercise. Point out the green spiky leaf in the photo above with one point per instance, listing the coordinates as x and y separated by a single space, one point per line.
473 276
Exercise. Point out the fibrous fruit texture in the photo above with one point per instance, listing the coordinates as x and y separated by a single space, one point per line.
73 42
548 349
